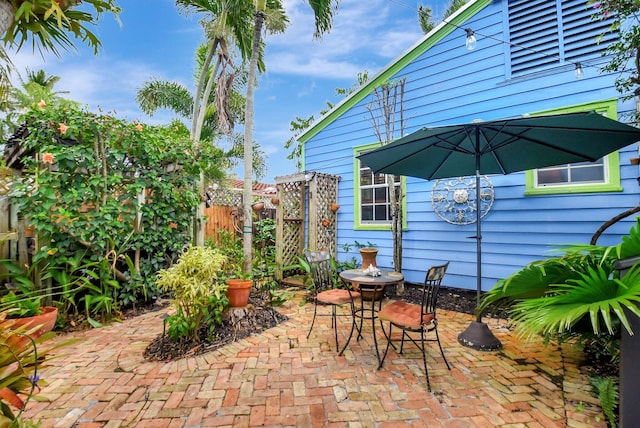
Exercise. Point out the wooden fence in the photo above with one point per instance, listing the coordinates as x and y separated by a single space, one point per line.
229 218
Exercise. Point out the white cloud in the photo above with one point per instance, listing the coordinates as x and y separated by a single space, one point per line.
364 35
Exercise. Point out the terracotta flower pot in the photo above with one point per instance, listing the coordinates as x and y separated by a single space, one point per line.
275 201
238 291
258 206
368 257
326 223
335 207
46 320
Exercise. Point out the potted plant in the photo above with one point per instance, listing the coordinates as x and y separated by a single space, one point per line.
579 294
238 283
22 301
239 290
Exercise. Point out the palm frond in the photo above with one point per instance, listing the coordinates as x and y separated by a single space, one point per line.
535 279
158 94
595 294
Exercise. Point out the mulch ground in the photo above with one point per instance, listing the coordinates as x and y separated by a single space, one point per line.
258 316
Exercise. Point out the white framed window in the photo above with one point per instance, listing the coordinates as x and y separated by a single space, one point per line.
602 175
372 205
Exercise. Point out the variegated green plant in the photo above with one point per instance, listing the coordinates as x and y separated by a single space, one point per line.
196 282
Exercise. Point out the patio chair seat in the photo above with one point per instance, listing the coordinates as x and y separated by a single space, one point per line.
337 296
405 314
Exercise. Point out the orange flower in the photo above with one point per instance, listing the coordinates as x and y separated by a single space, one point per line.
42 104
48 158
173 225
139 127
63 128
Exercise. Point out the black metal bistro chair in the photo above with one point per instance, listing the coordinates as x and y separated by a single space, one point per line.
417 318
326 292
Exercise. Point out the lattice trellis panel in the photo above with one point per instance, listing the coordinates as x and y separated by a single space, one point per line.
290 221
304 216
6 178
224 196
323 192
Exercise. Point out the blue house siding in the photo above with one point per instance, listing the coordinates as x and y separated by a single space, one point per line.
447 84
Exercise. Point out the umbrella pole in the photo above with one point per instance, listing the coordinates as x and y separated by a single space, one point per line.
478 245
477 335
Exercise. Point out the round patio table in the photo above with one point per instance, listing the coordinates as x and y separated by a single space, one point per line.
372 291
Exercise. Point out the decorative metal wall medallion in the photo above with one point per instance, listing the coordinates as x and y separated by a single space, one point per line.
454 199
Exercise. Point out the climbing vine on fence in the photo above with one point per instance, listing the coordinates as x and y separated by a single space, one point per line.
113 190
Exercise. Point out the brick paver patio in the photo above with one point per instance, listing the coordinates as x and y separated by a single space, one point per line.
280 378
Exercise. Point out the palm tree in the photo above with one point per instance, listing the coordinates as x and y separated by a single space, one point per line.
157 94
272 13
424 14
225 21
38 86
51 23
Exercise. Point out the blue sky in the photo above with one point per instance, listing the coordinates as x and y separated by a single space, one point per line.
302 74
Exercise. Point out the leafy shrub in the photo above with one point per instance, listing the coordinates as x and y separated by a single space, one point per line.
195 281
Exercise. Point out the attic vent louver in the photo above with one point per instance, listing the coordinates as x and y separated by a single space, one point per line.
544 34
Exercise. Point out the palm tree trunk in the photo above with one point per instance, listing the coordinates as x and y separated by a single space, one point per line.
197 120
247 229
197 96
7 15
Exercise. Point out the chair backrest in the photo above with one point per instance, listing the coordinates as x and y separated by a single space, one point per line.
322 269
431 287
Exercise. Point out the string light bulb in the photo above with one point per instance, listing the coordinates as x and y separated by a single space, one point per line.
471 41
579 72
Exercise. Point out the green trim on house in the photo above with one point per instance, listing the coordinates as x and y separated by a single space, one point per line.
609 107
356 194
439 33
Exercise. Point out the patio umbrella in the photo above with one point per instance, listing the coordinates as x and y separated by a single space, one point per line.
499 147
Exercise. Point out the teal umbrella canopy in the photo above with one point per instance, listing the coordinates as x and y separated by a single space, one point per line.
501 146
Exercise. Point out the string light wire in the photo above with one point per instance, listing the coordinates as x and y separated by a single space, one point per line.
576 64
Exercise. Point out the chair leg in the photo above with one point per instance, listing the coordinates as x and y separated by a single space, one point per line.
315 310
441 351
404 334
386 349
424 359
353 327
334 324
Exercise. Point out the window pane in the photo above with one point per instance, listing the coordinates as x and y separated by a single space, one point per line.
367 213
365 177
381 212
380 179
367 196
581 172
381 195
592 173
374 195
552 176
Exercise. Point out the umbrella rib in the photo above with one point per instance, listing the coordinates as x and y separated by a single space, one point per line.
493 148
450 148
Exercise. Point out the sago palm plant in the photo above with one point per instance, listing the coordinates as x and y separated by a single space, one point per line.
553 295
